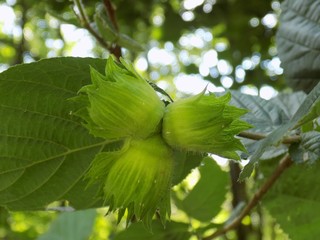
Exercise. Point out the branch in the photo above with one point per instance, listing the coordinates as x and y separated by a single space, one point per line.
115 50
252 136
239 196
20 48
283 165
86 24
259 136
111 12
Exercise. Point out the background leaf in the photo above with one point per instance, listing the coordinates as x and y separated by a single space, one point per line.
172 231
294 200
267 116
44 149
205 199
184 163
313 114
276 136
71 225
308 149
298 45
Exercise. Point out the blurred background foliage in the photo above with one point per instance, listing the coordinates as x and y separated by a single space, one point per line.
226 42
188 45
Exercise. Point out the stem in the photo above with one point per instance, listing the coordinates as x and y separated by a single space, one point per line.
84 19
252 136
291 139
115 49
259 136
283 165
111 12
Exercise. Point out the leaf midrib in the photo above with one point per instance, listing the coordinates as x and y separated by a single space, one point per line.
63 154
41 84
57 156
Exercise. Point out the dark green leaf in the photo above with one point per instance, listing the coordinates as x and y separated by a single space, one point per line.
172 231
184 163
294 200
45 150
71 225
205 199
298 45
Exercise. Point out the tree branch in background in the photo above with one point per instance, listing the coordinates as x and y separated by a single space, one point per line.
238 196
115 49
111 12
84 20
283 165
20 48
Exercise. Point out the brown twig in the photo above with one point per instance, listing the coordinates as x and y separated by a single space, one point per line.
115 49
239 196
86 24
291 139
111 12
21 46
259 136
283 165
252 136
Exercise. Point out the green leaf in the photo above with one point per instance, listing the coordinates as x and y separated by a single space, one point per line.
289 103
45 150
172 231
65 18
298 45
264 115
308 149
276 136
267 116
294 200
205 199
129 43
313 114
71 225
184 163
309 105
105 28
